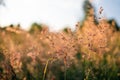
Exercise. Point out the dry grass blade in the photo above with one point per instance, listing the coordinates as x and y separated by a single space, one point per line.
46 66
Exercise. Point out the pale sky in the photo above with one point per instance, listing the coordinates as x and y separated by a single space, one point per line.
111 8
57 14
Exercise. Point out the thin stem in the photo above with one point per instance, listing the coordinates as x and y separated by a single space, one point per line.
65 65
65 74
46 66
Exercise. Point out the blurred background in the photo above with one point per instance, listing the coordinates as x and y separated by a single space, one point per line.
87 47
55 13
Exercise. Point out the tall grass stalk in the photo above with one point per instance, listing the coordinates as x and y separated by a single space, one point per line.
65 74
46 66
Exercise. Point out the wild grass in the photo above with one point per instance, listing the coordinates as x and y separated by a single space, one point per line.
90 52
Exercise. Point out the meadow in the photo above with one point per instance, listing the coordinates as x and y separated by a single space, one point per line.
90 52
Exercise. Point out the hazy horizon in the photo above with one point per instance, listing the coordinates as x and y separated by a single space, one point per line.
56 14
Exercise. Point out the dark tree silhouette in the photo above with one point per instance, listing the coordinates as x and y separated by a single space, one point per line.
89 11
88 8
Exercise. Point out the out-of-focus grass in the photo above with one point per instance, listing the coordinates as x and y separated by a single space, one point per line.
90 52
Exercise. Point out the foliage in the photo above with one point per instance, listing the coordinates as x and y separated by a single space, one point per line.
91 52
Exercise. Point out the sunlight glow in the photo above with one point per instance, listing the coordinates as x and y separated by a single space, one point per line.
55 13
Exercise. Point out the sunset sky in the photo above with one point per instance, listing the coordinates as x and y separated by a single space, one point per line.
55 13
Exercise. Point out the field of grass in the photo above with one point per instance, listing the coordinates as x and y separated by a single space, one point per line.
90 52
